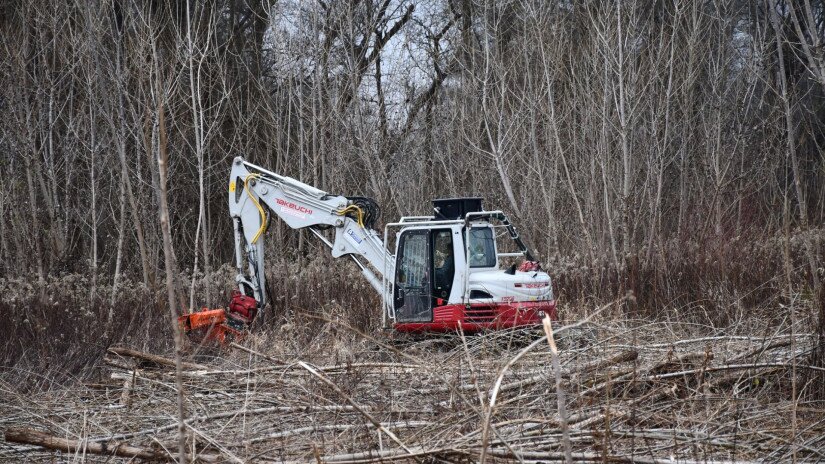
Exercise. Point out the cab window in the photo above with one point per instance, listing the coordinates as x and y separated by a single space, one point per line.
443 263
482 247
413 295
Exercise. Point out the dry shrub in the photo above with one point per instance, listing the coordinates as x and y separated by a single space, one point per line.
63 330
716 281
60 329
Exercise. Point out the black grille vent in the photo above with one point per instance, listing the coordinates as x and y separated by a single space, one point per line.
480 314
475 294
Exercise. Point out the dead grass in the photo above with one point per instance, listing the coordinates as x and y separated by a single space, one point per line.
635 390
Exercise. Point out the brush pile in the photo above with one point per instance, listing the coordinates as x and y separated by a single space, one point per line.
630 392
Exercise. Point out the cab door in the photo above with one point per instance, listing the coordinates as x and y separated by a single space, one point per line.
443 259
413 289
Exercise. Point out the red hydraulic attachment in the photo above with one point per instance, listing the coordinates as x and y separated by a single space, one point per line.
529 266
221 325
243 307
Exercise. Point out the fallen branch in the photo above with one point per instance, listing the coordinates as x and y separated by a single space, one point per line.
625 356
355 405
731 367
36 437
248 412
153 358
388 455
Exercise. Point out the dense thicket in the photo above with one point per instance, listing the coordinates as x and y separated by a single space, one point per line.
661 146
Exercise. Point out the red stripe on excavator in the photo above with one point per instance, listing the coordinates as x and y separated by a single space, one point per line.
483 316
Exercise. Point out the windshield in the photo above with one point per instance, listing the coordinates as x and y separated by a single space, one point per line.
482 247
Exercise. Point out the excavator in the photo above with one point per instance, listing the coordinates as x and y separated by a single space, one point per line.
444 272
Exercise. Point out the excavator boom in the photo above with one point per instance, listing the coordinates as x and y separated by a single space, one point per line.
255 193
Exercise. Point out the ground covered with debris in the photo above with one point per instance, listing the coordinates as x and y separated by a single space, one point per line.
631 391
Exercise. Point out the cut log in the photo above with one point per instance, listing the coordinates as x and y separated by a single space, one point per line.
153 358
36 437
625 356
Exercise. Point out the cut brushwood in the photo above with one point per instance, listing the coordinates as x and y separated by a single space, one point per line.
36 437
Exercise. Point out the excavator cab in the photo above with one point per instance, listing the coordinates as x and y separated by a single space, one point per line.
447 272
424 274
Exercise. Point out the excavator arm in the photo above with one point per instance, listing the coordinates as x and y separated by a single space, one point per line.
255 194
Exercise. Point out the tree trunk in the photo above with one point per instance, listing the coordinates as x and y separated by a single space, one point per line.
124 167
121 232
197 125
38 250
171 268
818 355
93 200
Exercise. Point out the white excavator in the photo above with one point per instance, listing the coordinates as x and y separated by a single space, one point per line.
444 271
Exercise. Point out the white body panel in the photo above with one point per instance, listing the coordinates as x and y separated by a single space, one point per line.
503 287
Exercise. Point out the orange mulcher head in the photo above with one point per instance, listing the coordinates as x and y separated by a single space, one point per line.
211 325
220 325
